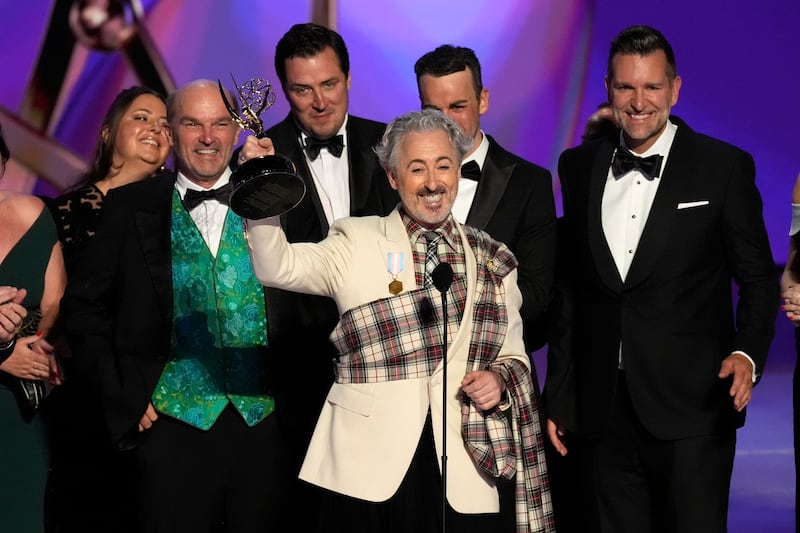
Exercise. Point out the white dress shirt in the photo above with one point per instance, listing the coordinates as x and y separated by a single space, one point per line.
209 216
332 178
627 201
626 205
467 188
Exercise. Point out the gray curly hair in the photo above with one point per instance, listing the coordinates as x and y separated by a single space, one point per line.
427 120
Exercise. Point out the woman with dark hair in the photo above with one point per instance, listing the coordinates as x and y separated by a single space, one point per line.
133 144
90 483
33 279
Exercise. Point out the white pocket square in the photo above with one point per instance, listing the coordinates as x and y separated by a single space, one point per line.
689 205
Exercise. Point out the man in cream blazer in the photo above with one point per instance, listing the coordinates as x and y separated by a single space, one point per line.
380 428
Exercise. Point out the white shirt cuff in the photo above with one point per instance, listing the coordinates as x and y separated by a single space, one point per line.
755 375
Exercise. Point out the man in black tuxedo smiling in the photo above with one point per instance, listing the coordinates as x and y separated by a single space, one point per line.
657 224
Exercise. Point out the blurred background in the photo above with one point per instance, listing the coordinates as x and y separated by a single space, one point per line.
543 62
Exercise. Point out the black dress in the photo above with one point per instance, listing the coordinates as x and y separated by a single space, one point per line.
23 448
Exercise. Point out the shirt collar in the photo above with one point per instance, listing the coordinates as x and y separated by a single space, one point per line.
342 131
182 183
416 231
479 155
662 144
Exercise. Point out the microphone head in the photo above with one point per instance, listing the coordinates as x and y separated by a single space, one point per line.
442 276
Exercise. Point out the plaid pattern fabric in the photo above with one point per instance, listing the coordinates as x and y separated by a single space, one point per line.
399 338
500 448
449 247
431 255
534 507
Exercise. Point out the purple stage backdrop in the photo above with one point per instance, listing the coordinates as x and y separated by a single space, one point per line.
543 61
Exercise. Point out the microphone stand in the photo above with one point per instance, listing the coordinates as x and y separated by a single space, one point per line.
442 277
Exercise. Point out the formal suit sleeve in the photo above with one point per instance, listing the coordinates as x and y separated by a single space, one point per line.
751 263
535 249
559 389
309 268
513 347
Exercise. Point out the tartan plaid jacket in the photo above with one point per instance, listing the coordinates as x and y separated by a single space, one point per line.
368 430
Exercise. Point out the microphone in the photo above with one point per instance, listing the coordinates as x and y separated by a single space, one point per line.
442 277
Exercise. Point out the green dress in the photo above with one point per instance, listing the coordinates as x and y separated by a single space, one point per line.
23 450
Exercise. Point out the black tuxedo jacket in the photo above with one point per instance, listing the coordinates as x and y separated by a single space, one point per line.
370 192
514 204
117 308
674 313
300 324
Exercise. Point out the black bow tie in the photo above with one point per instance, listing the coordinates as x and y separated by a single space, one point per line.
624 161
193 198
335 145
471 171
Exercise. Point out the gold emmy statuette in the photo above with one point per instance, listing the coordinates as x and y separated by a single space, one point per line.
264 186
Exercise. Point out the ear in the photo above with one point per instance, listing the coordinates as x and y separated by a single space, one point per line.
676 88
392 179
483 101
348 82
104 133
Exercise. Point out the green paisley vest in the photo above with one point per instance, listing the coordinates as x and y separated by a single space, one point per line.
219 329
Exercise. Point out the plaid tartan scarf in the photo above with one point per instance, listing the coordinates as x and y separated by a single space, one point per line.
499 446
399 338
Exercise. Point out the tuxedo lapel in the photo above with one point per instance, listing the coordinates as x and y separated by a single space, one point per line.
604 261
152 219
662 215
494 178
363 165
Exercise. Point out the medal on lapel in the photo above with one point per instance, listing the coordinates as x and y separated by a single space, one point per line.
394 264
